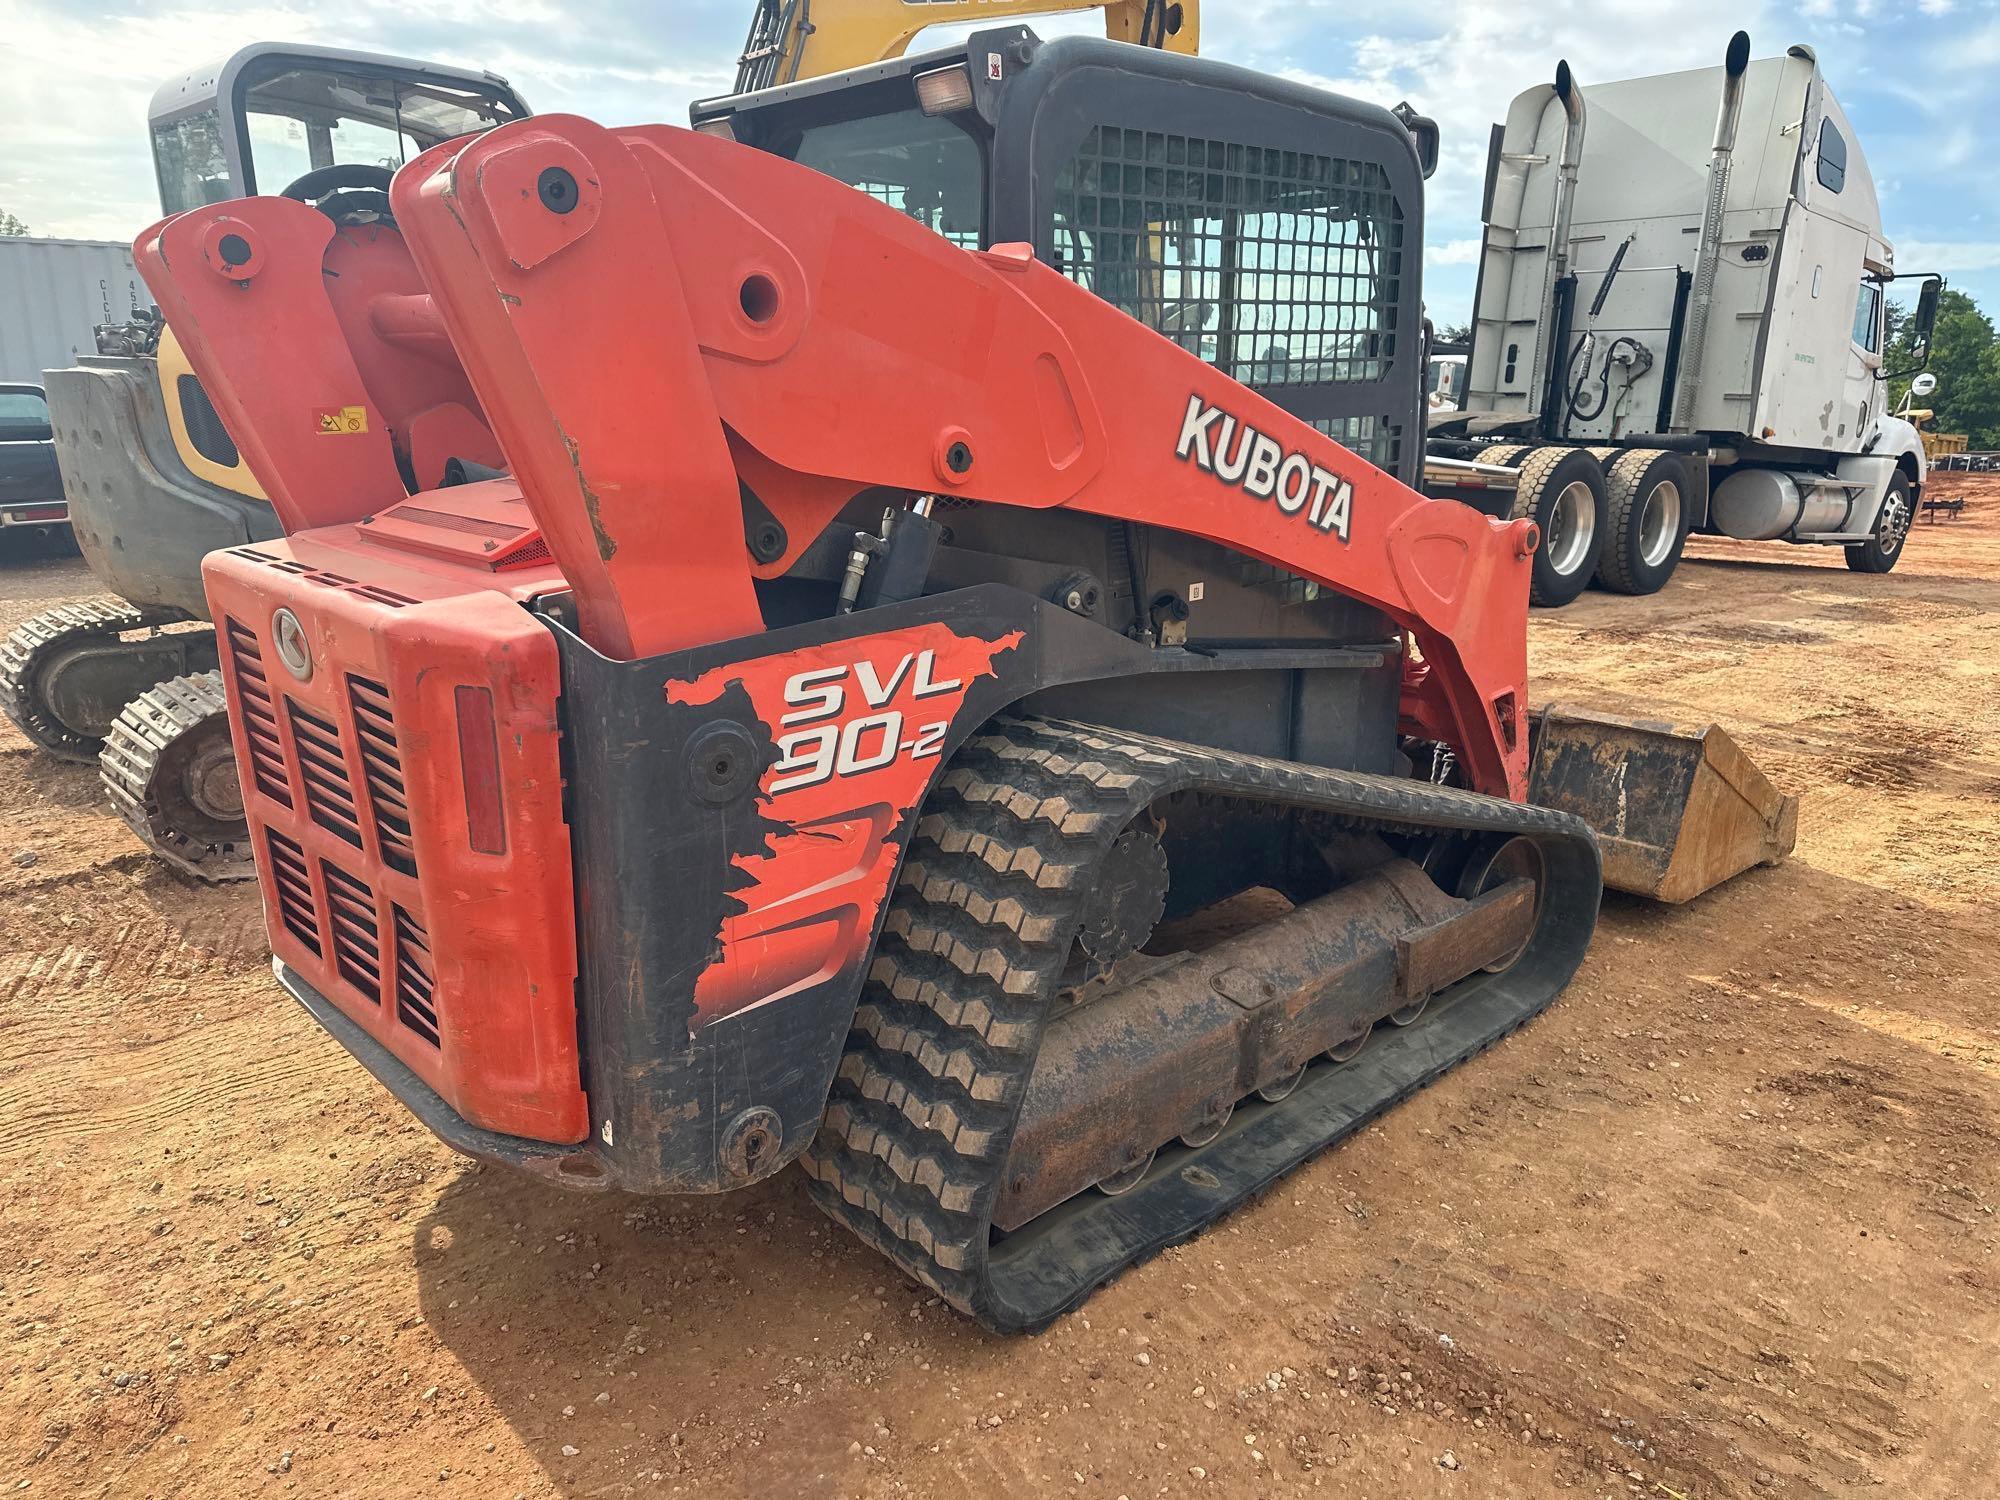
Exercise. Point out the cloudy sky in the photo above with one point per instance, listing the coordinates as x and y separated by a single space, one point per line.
1919 78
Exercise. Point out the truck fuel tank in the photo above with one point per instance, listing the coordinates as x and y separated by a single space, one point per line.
1761 505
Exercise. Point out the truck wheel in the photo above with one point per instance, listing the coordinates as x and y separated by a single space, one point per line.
1646 495
1562 491
1892 528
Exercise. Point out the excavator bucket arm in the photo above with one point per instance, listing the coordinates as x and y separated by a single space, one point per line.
791 40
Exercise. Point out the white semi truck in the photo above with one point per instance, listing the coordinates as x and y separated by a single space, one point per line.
1680 328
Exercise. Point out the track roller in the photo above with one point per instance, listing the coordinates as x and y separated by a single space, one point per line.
169 770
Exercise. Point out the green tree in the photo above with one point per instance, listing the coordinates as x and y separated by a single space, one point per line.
11 227
1965 357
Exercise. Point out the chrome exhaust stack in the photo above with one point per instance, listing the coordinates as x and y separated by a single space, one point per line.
1708 255
1570 96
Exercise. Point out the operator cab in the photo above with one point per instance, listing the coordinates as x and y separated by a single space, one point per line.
1269 228
272 114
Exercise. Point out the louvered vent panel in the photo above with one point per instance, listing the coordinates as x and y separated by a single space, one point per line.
357 941
258 715
414 1006
382 761
323 770
295 895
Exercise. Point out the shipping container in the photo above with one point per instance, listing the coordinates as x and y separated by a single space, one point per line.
53 293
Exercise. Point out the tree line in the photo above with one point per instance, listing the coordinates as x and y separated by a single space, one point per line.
1965 357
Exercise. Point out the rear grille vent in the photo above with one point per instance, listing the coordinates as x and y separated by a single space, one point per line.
323 770
259 715
414 1007
382 766
295 897
357 943
326 580
536 551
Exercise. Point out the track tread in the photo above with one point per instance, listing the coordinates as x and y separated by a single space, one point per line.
130 762
910 1154
952 1010
31 643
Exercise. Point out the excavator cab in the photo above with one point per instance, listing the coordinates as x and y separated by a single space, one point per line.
794 39
153 478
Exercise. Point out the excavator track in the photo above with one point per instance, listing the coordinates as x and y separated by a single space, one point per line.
37 641
914 1146
169 770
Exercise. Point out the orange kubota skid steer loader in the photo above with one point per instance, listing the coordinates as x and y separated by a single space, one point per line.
841 732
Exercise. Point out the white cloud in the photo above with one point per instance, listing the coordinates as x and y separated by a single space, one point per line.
1452 253
1949 255
1916 79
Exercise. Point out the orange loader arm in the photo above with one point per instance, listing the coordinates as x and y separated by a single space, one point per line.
652 319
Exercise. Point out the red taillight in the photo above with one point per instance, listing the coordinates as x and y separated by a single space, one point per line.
30 513
479 761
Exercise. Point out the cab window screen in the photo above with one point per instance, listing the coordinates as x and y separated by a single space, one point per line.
303 119
1280 267
922 166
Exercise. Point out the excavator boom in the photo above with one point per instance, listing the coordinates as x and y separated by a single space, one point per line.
792 40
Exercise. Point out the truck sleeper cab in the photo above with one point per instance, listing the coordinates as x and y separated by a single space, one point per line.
1741 352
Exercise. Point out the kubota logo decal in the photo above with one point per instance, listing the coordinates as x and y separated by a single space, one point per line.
1217 443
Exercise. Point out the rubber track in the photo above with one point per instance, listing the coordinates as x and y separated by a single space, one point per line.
30 645
140 737
910 1154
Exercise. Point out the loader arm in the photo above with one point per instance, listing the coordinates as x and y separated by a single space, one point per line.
652 318
845 347
794 39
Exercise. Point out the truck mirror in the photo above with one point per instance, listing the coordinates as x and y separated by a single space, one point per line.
1926 315
1923 385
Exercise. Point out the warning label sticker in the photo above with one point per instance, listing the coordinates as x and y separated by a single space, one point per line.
340 421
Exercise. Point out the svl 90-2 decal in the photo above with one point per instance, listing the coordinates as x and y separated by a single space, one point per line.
818 743
858 726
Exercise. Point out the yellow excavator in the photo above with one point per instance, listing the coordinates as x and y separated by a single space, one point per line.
792 40
154 482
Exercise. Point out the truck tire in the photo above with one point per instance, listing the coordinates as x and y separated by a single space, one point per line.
1892 528
1562 491
1646 495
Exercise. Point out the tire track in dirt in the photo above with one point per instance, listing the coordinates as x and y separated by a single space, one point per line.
125 928
147 1090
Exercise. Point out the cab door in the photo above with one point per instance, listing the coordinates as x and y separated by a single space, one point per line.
1861 392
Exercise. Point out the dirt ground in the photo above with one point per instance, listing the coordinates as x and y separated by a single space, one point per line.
1721 1224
